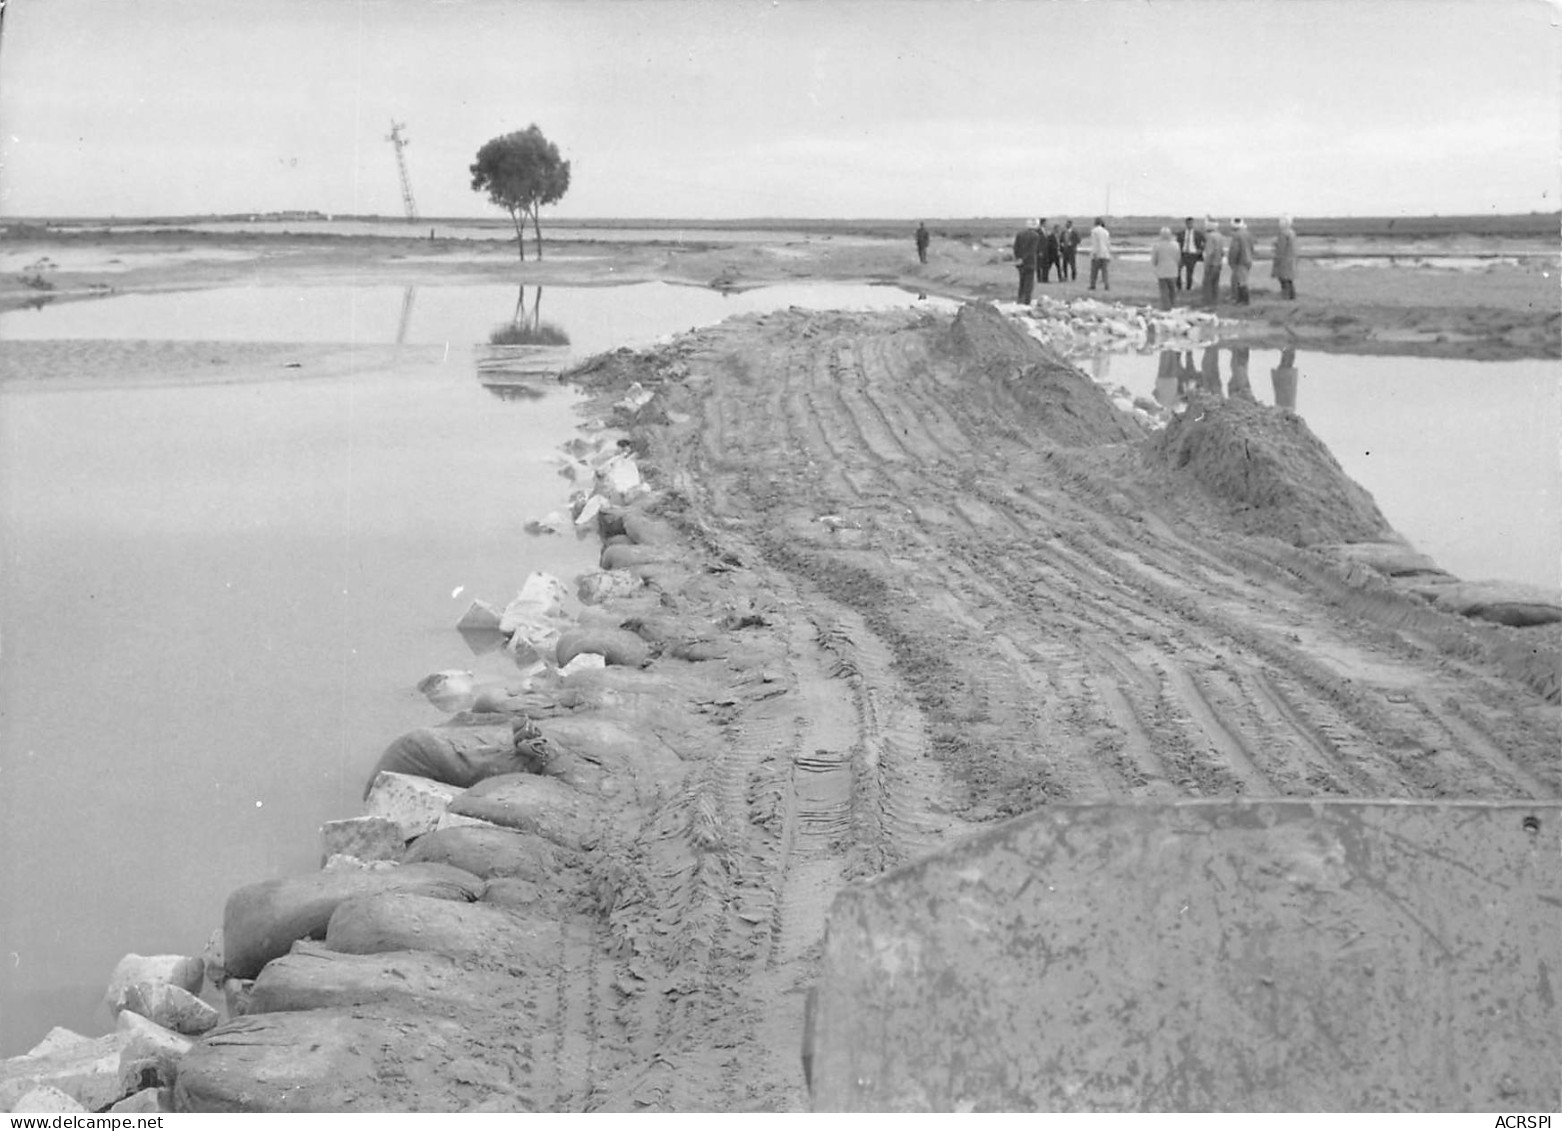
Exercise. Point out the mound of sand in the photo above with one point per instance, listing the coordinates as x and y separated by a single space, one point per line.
1268 468
1057 400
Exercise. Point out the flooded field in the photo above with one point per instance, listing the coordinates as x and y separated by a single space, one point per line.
218 597
1461 456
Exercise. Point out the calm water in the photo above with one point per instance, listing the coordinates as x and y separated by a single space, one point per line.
217 599
1462 457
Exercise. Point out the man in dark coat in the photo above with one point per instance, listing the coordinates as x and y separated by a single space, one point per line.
1068 248
1050 257
1190 242
1027 248
922 241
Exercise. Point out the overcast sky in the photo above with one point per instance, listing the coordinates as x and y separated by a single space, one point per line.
829 108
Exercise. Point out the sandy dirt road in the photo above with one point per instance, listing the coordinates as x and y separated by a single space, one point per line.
970 588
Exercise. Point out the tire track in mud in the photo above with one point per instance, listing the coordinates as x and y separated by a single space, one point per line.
988 621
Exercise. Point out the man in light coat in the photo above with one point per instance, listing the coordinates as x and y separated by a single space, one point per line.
1240 256
1284 266
1214 258
1100 254
1166 259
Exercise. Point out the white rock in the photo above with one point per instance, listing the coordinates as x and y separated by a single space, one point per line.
533 644
171 1007
598 586
635 398
449 691
343 862
56 1040
87 1071
145 971
588 510
479 615
414 803
619 478
211 959
458 820
150 1058
542 598
367 838
585 661
145 1101
236 996
47 1100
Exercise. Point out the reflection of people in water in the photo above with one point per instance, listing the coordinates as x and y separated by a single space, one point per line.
1166 374
1240 386
1188 379
1284 378
1209 371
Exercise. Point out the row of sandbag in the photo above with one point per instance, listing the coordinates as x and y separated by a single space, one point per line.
439 903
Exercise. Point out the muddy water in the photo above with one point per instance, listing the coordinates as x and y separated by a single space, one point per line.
1462 457
217 599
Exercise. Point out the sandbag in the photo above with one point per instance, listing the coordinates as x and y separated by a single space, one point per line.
262 920
373 1058
515 894
386 921
1501 602
459 755
312 976
615 645
533 804
648 531
600 755
626 555
489 853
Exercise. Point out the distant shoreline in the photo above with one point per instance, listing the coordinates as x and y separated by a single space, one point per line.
1533 225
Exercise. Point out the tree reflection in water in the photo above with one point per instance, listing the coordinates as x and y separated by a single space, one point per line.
526 329
512 369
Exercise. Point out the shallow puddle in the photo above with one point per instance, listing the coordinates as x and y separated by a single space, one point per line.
1461 456
591 319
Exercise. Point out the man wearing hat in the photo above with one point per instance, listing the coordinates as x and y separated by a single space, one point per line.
1214 257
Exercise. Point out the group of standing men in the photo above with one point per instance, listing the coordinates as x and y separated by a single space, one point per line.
1040 248
1175 259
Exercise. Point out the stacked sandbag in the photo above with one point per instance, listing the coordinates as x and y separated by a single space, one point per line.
394 921
617 646
546 806
372 1058
262 921
460 756
314 976
491 852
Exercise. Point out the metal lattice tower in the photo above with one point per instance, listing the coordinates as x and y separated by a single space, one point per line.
395 138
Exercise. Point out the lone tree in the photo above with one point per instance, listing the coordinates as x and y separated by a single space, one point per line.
521 172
